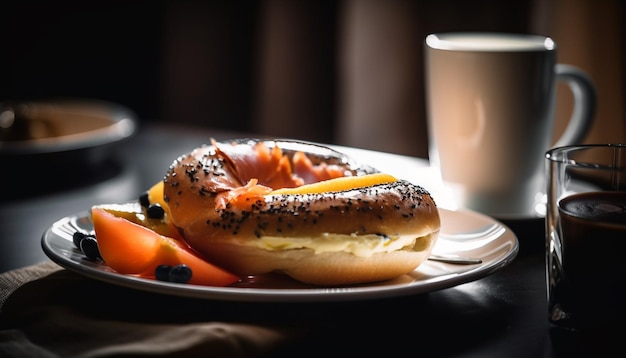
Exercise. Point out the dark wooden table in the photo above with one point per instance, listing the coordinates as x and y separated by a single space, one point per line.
502 315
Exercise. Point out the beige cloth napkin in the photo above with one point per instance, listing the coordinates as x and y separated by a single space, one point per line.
47 311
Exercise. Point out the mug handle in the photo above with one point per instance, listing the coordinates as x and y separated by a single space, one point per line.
584 104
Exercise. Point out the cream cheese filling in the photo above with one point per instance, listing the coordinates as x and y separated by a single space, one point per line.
359 245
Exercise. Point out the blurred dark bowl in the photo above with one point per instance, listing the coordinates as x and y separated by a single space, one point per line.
57 144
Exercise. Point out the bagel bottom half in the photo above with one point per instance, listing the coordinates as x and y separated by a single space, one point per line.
325 268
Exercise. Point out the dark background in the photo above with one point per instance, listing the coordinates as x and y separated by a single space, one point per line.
210 62
137 52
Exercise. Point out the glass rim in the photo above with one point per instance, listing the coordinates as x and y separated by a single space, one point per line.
559 154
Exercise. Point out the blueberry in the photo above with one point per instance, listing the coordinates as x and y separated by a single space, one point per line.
162 272
89 247
155 211
77 237
180 274
144 199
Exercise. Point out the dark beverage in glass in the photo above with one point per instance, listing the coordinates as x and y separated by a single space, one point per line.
591 268
585 248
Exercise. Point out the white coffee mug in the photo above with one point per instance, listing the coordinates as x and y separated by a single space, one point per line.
490 104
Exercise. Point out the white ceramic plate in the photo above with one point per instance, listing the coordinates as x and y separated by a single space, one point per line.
463 233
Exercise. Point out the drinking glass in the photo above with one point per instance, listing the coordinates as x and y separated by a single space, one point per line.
586 241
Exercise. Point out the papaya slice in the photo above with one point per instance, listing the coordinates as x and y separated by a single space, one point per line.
133 249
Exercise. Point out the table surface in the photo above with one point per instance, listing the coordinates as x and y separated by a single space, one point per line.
503 314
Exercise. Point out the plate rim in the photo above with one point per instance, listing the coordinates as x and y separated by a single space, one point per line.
124 124
322 294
